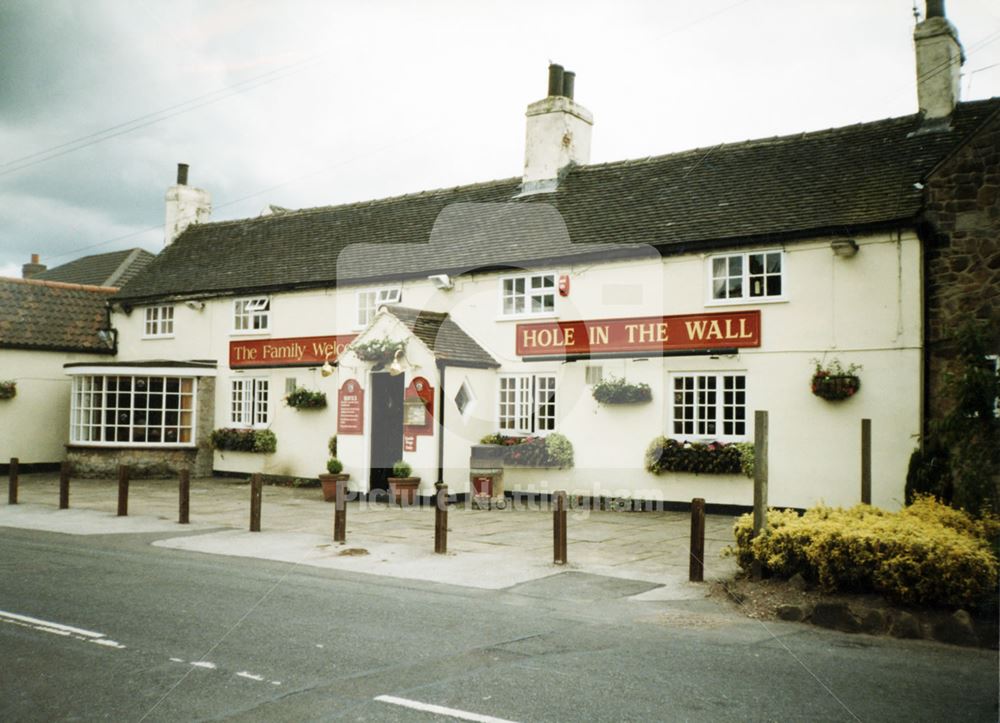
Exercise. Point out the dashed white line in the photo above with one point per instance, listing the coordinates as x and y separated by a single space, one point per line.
204 664
440 709
250 676
47 626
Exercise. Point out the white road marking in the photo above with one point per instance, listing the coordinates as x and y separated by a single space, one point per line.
204 664
250 676
47 626
176 660
440 709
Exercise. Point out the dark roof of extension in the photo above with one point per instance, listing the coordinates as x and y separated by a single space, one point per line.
52 316
842 180
116 268
443 337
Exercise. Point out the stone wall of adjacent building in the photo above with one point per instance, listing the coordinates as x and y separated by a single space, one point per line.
146 462
962 257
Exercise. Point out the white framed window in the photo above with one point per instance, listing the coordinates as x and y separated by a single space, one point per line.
594 374
711 406
118 410
528 295
249 402
465 400
526 404
751 275
159 321
370 300
251 315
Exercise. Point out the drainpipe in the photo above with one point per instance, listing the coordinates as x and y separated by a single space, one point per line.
441 369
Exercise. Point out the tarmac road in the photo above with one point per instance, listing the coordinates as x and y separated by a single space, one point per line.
111 627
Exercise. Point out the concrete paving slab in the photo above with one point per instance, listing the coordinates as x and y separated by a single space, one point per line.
84 522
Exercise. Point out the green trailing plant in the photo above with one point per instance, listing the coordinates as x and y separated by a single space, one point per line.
8 389
960 456
834 382
671 455
553 450
378 351
334 466
617 391
332 445
746 457
402 468
261 441
302 398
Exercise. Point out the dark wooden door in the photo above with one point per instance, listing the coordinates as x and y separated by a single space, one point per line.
387 427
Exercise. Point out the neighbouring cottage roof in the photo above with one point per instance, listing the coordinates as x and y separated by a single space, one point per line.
53 316
842 180
116 268
446 339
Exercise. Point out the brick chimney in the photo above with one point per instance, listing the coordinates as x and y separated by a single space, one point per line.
558 133
29 270
939 60
185 205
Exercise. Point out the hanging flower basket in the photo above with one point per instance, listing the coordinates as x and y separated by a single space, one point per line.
305 399
378 351
8 390
618 391
833 382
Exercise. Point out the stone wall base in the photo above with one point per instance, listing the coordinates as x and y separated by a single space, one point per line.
142 462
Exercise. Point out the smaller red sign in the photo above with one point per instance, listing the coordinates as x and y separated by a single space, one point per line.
482 486
350 408
409 443
299 351
420 389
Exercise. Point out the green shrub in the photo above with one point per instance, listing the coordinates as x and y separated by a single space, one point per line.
618 391
926 554
746 458
332 446
334 466
302 398
929 473
554 450
262 441
402 469
670 455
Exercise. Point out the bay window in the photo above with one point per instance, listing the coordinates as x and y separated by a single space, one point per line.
123 410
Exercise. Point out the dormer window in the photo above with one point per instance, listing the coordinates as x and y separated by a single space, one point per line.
252 315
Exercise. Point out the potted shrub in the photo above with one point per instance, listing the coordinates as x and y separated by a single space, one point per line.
834 382
402 486
334 474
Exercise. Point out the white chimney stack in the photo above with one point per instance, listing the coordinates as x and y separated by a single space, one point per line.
939 60
558 133
185 205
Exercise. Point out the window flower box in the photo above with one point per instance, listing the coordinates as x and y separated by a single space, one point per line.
671 455
261 441
553 450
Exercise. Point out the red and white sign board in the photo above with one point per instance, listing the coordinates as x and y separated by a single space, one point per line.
640 335
350 408
299 351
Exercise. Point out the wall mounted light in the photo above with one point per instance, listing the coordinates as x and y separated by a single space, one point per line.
442 282
327 369
844 247
397 367
196 305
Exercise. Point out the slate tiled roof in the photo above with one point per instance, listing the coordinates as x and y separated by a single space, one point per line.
842 180
52 316
112 269
444 337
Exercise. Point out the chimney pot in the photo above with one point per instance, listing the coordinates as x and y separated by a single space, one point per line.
555 79
567 86
29 270
182 174
935 8
34 258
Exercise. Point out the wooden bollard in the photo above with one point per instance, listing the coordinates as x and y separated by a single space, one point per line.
760 473
12 482
256 485
559 527
64 486
184 494
123 490
696 567
340 512
866 461
441 521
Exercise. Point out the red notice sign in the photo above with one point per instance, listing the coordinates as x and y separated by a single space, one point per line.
646 334
300 351
350 408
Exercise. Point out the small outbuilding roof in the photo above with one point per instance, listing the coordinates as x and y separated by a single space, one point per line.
53 316
116 268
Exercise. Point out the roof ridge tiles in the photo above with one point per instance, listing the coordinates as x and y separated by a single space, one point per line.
59 284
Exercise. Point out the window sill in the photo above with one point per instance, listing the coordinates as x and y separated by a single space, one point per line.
255 332
747 302
153 337
132 445
528 317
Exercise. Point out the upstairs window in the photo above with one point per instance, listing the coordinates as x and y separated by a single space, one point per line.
528 295
527 404
370 300
755 275
251 315
159 321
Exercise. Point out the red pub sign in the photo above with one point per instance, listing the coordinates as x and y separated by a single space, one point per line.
645 334
300 351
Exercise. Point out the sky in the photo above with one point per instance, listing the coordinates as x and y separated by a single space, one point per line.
304 104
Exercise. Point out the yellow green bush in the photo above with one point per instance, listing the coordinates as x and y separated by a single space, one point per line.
927 553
